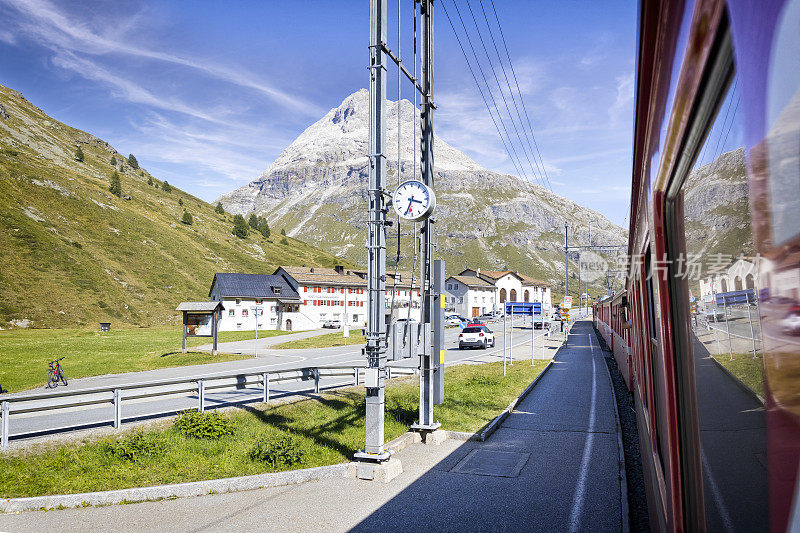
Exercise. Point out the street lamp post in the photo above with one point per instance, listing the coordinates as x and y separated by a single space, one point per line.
255 310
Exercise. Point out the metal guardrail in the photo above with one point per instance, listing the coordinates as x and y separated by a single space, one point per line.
115 394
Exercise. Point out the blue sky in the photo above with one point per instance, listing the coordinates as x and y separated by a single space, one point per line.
206 94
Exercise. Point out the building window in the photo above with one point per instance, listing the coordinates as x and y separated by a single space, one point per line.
305 302
238 301
355 318
244 312
273 320
461 300
231 312
238 325
276 290
259 302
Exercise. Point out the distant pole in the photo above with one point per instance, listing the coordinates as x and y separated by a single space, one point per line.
255 310
750 321
727 326
566 264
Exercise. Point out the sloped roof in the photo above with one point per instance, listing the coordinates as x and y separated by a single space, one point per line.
202 307
234 284
323 276
527 280
472 281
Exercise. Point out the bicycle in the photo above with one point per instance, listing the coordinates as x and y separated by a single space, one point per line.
54 374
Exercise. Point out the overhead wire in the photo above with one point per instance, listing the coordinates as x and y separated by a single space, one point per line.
519 92
480 91
500 88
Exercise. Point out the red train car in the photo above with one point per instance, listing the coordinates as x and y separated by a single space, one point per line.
716 186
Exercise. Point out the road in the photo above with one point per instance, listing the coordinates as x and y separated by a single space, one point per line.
38 424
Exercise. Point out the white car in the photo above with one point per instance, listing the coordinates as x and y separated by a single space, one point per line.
475 337
791 323
333 324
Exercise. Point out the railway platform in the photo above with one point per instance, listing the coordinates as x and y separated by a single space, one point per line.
554 464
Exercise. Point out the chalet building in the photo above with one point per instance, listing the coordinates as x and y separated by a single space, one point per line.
469 296
250 299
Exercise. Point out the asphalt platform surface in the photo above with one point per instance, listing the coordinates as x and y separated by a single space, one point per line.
553 465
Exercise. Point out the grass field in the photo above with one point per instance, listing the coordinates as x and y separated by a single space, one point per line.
324 341
306 433
25 353
748 369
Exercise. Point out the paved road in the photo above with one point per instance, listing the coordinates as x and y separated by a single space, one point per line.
733 441
42 424
553 465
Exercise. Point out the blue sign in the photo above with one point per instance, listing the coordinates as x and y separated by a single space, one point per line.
736 297
523 308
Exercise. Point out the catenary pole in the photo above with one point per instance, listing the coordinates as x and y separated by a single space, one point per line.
376 243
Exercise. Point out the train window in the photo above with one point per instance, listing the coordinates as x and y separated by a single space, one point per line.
715 319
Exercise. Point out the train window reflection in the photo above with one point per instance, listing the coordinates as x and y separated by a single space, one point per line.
720 269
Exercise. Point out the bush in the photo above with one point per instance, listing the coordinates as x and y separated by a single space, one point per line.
116 184
180 201
284 449
284 241
113 161
283 231
149 180
79 154
211 425
220 210
187 218
166 186
263 227
253 222
136 446
240 227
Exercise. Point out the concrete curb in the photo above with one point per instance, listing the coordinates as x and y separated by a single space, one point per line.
750 392
494 424
168 492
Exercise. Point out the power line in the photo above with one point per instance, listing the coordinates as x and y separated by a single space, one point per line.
519 91
500 88
511 152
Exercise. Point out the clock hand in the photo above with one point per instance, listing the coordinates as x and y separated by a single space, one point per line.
416 201
410 201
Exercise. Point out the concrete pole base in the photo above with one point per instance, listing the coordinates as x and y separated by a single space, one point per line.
434 437
382 472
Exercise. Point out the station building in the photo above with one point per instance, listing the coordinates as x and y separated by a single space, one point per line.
469 296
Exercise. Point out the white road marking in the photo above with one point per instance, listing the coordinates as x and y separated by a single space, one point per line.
580 490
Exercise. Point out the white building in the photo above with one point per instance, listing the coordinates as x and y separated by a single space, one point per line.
247 299
403 295
740 275
469 296
534 290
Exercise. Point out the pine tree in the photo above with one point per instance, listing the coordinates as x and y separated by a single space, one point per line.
187 218
283 232
166 186
284 241
113 161
220 209
79 155
116 184
263 228
240 227
133 162
180 201
149 180
253 222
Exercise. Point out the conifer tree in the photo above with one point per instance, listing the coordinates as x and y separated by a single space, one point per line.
79 155
263 228
116 184
166 186
283 232
220 209
180 201
113 161
240 227
187 218
133 162
284 241
149 180
253 222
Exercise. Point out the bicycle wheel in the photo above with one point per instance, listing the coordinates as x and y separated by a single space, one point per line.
63 377
52 381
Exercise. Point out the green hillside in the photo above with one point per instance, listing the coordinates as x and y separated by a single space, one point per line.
72 253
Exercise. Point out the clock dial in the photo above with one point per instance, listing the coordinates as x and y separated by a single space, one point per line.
413 200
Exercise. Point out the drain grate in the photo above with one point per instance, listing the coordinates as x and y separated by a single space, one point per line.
492 463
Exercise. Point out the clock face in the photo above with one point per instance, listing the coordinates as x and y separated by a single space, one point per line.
413 200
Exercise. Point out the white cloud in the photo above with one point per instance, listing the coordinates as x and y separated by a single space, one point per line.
55 29
622 108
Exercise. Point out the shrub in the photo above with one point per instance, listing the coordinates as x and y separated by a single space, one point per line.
136 446
116 184
284 449
283 231
187 218
284 241
240 227
263 227
113 161
149 180
133 162
253 222
180 201
79 154
166 186
220 210
211 425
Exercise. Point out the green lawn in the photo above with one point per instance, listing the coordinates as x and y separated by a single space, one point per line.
324 341
319 432
25 353
749 369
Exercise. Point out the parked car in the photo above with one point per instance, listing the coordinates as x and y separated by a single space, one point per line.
333 324
791 322
452 321
475 322
476 337
486 317
537 323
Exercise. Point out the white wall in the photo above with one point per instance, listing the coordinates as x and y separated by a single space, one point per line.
508 282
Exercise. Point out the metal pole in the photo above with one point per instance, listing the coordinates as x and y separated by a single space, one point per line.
505 336
533 336
428 232
542 326
752 331
4 412
566 265
376 246
265 384
117 409
201 395
511 339
728 327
